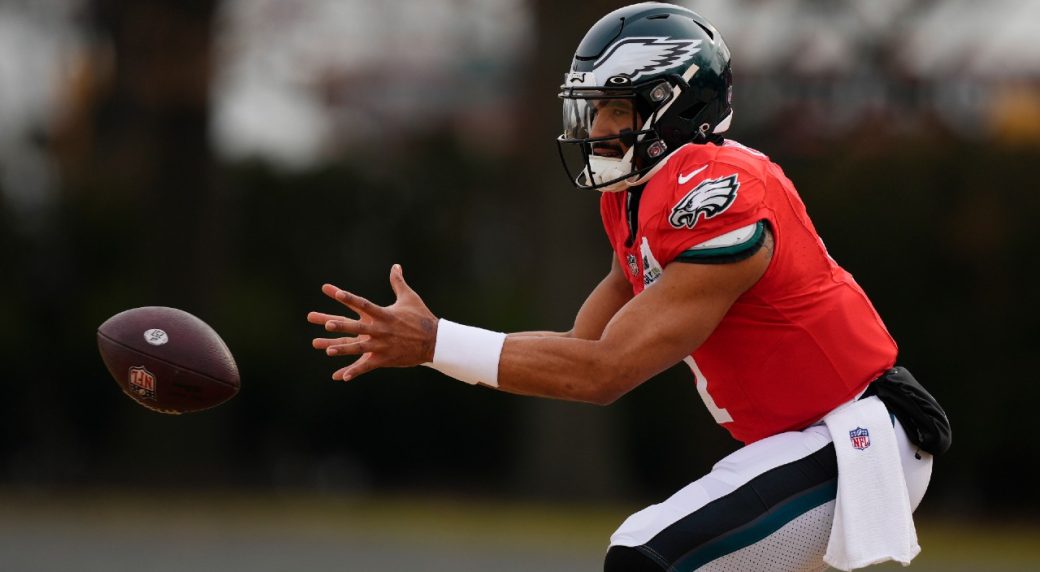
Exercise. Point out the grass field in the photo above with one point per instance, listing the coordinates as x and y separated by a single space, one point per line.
95 531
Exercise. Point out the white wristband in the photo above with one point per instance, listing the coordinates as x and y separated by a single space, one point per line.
466 353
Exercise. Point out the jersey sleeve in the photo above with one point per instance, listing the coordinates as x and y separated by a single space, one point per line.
706 201
732 246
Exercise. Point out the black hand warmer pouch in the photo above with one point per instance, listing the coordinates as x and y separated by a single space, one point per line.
918 412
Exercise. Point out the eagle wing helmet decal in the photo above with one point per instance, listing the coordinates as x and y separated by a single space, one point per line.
709 197
636 57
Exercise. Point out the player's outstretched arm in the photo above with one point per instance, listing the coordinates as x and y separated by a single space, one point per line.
401 334
649 334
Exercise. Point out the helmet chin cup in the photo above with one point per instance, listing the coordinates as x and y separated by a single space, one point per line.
608 174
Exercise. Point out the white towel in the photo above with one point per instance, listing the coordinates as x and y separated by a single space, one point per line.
872 515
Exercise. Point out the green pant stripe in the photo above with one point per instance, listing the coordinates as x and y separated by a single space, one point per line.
759 528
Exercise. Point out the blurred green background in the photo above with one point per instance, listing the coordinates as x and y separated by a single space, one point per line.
227 157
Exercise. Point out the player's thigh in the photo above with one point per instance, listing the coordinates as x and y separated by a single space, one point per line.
772 486
767 506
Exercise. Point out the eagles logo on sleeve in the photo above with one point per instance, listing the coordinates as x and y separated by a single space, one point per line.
709 197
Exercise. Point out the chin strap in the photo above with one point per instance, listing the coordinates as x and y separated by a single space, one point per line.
642 179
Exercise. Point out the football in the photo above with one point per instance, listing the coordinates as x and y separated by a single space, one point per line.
167 359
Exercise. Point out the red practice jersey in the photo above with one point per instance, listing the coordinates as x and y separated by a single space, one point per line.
802 340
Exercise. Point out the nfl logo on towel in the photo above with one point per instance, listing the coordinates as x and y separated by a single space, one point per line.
860 438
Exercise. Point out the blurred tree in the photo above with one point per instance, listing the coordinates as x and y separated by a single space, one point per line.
564 263
151 126
141 221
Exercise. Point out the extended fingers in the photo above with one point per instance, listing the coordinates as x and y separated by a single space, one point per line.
349 347
357 303
330 290
363 365
320 318
397 282
360 305
365 337
348 326
326 343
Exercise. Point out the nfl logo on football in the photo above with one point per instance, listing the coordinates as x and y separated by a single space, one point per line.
860 438
142 382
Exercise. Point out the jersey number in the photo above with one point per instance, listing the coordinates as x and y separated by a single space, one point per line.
719 413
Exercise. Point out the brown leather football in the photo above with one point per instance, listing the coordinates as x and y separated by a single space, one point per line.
167 359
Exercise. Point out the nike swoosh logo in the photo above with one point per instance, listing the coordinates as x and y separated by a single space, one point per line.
683 179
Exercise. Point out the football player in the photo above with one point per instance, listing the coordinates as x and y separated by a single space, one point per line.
716 264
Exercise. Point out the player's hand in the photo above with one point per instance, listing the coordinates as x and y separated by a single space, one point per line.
402 334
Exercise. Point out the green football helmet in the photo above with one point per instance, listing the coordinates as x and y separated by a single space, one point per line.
668 67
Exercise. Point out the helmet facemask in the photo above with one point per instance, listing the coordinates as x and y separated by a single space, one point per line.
608 136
